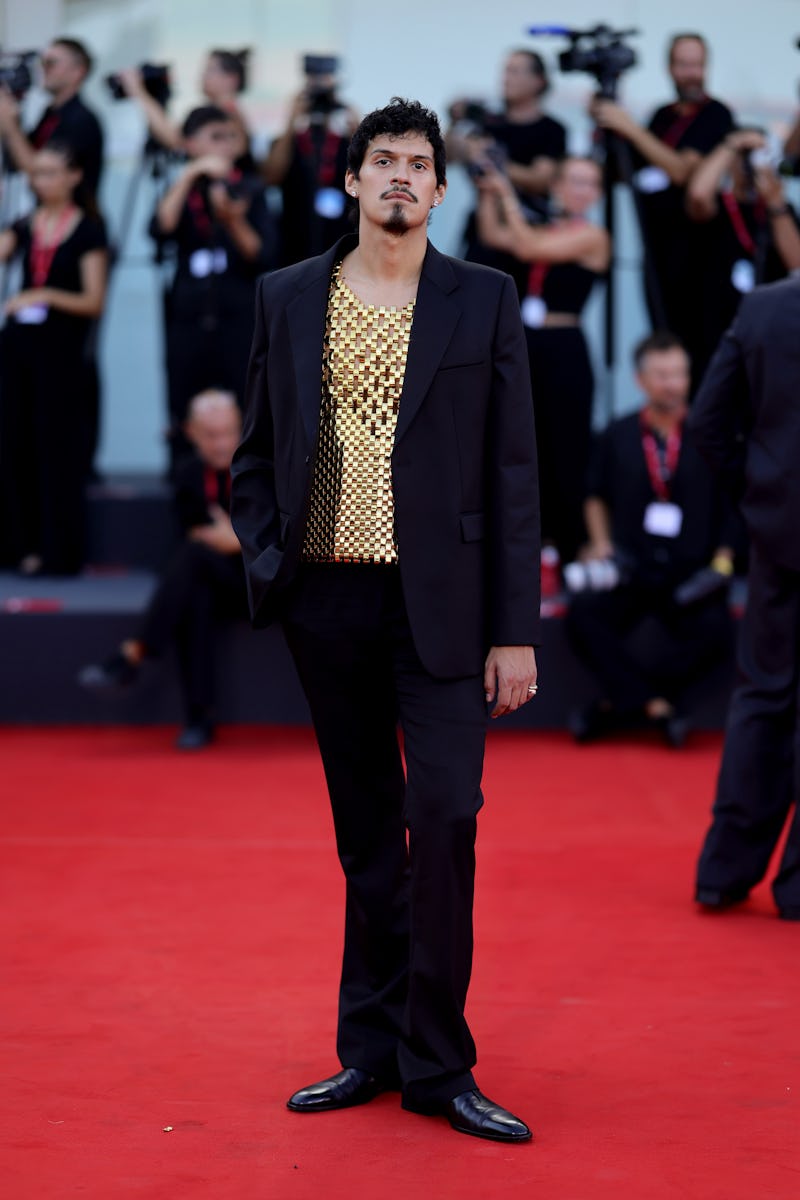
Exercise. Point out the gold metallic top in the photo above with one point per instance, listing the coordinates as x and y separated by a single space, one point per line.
351 514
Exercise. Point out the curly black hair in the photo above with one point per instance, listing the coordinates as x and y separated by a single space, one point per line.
397 119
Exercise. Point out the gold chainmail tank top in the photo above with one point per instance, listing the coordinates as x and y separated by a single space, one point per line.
351 514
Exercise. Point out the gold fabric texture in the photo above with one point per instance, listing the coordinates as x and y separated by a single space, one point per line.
351 515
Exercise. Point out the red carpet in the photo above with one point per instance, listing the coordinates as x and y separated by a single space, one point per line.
171 928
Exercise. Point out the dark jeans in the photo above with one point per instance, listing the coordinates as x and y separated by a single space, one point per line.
406 840
759 778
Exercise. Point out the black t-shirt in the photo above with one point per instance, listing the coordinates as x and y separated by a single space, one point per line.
316 207
76 125
196 487
211 274
618 475
664 210
65 268
523 142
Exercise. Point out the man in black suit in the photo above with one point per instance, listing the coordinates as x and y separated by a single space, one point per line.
385 495
747 424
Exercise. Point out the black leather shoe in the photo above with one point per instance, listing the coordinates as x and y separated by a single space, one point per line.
474 1113
717 900
346 1089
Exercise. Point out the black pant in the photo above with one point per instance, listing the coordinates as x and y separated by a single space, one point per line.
563 391
640 645
758 779
408 920
198 588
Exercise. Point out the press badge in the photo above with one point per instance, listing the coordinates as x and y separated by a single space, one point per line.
663 519
534 311
204 262
743 275
651 179
329 203
32 314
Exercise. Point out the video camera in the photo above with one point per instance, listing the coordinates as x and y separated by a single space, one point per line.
318 69
155 79
16 72
600 52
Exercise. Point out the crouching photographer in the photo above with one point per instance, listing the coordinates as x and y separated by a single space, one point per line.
651 614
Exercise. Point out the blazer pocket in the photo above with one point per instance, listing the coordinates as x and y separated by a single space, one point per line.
472 527
460 366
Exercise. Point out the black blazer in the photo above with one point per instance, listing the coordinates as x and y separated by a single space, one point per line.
463 467
746 417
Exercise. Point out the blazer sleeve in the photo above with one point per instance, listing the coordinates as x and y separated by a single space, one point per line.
512 486
718 417
254 510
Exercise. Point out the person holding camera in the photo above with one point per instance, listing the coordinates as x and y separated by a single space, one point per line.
667 151
217 223
222 80
750 231
521 140
660 618
308 160
66 63
203 582
563 260
45 369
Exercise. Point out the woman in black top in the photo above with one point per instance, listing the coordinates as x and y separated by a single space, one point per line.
567 256
46 372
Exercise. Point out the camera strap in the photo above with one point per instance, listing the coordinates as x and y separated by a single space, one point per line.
743 235
324 154
682 123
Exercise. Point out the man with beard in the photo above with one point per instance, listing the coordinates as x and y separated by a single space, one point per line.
667 151
385 496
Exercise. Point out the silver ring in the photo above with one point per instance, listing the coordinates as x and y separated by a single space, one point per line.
532 689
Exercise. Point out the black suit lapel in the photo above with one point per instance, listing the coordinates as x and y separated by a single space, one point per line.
436 315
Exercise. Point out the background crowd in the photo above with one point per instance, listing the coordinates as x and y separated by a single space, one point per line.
631 520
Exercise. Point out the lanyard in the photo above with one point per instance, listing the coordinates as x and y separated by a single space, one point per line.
328 151
743 235
536 278
197 203
679 127
47 127
212 488
661 475
43 253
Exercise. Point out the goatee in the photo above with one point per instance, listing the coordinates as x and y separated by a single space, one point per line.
396 223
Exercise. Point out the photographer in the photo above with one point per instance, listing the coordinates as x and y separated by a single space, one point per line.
223 79
750 231
217 223
66 63
667 152
653 508
308 162
46 369
563 261
204 580
522 139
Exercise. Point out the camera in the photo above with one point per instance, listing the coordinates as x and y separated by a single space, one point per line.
16 72
155 79
600 52
322 98
596 575
495 154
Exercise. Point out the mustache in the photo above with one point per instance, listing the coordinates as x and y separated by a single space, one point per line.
401 191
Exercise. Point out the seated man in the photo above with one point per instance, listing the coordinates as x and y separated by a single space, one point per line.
660 528
204 579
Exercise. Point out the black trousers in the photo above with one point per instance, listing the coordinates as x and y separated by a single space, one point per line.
639 644
563 392
198 589
759 778
405 839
